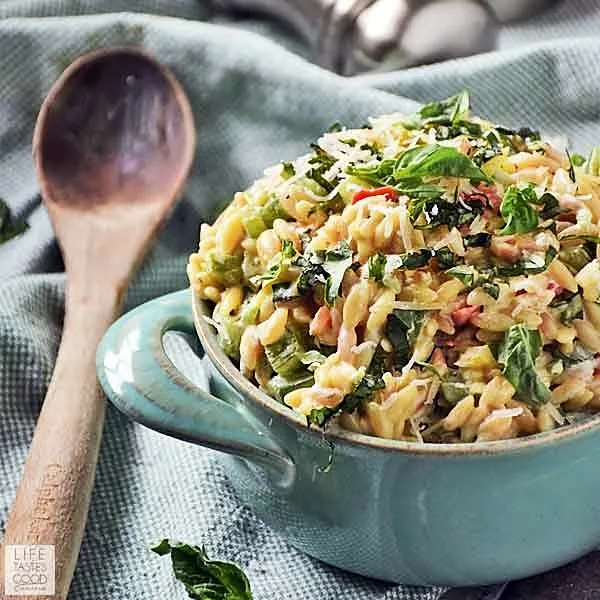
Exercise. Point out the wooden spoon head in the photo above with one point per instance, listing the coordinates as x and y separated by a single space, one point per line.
115 129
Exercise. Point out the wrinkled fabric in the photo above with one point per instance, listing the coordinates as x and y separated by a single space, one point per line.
255 102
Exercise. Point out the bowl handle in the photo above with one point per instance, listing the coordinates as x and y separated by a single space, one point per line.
139 378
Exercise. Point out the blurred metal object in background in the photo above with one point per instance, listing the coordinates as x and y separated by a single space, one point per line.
355 36
514 10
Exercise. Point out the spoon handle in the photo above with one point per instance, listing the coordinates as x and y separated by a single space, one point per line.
52 500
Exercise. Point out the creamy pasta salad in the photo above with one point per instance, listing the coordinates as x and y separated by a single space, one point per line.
429 277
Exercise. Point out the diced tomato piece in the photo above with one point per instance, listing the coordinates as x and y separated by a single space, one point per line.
388 191
493 198
461 316
554 287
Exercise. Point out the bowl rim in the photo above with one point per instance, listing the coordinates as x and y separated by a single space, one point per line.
248 390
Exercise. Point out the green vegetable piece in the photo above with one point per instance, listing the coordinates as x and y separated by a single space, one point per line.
531 265
570 309
437 161
477 240
279 265
551 207
579 354
9 228
287 170
281 385
595 239
492 289
453 392
312 357
323 161
575 258
466 274
335 264
257 219
204 579
517 355
402 329
446 258
227 267
376 266
446 112
285 354
517 210
369 383
593 162
578 160
229 335
427 213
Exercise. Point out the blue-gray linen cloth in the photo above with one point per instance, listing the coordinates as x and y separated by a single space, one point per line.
257 100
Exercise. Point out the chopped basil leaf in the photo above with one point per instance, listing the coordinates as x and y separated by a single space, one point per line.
491 289
517 210
428 213
517 355
579 354
335 264
477 240
531 265
287 170
446 112
446 258
204 579
436 161
551 207
370 382
322 162
402 329
569 309
376 266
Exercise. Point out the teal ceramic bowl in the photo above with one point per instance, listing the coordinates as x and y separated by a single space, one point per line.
460 514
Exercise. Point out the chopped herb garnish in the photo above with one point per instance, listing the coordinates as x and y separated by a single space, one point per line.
517 355
287 170
443 112
517 210
477 240
369 383
402 329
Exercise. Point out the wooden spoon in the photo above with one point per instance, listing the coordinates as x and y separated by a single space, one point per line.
113 144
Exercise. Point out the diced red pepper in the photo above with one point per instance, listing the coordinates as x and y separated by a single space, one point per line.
388 191
461 316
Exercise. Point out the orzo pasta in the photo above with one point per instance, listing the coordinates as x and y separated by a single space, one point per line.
430 277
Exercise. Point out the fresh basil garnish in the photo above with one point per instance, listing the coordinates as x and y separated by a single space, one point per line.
204 579
517 355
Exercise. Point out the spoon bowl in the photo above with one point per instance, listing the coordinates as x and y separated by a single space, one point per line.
113 143
116 128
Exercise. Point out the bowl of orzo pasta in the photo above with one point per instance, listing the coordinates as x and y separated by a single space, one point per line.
402 327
